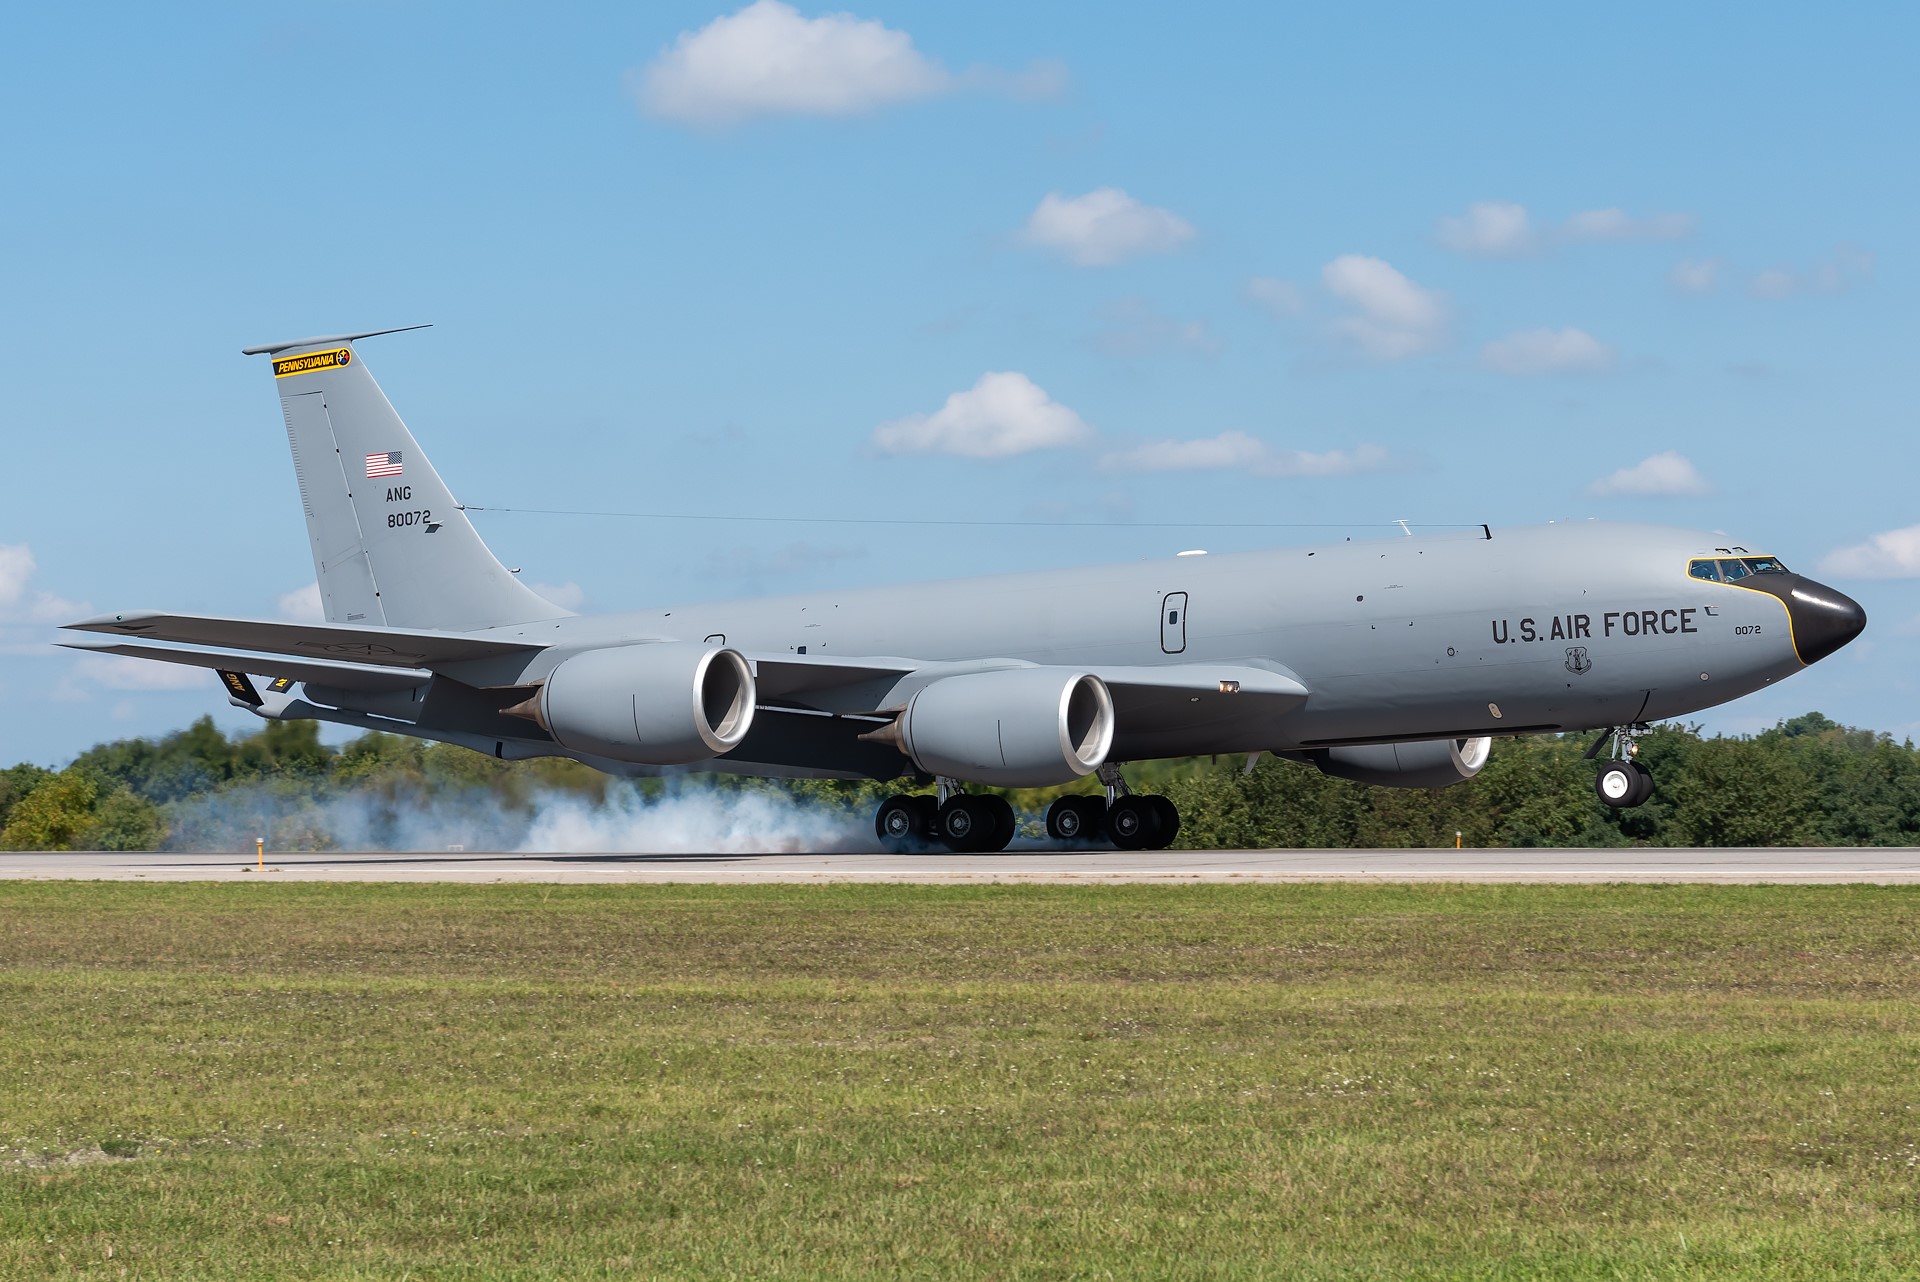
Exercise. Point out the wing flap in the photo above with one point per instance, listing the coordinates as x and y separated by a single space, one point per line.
1184 709
382 647
1234 680
825 683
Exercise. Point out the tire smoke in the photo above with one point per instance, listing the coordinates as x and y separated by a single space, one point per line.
684 817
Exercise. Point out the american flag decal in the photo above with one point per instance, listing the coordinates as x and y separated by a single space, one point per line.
387 464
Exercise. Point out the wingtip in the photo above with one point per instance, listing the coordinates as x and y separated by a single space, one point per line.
123 621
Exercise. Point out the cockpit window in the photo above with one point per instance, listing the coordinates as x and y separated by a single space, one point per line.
1732 569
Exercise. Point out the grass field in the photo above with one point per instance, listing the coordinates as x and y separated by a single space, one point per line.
219 1081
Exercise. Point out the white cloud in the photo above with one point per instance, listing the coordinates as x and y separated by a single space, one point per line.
118 672
26 615
16 567
1281 297
1503 229
1104 227
1548 351
1892 555
767 60
1617 224
1489 229
568 596
302 605
19 606
1134 328
1840 271
1694 276
1237 451
1396 317
1669 474
1001 415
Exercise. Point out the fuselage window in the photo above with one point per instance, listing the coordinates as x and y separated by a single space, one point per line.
1764 565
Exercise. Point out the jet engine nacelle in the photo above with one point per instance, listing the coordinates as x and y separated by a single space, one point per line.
666 703
1015 728
1431 763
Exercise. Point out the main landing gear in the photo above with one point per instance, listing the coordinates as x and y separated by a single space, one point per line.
963 822
1622 782
953 818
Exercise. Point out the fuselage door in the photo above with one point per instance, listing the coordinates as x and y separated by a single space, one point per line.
1173 623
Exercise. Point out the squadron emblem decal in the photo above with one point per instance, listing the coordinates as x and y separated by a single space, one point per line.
1577 661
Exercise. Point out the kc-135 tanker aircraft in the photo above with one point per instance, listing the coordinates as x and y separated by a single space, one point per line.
1394 662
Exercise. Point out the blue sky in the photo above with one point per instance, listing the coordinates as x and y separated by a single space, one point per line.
1106 268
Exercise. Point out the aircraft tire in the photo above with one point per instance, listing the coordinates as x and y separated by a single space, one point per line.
967 825
1005 823
929 811
903 821
1619 785
1074 820
1169 822
1644 792
1133 823
1093 815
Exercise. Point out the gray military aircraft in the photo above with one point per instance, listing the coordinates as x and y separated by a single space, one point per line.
1394 662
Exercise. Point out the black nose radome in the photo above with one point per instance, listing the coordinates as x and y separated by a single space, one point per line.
1823 620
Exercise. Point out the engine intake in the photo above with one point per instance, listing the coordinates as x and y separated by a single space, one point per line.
1015 728
665 703
1430 763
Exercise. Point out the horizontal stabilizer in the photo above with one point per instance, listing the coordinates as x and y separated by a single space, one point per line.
341 676
385 647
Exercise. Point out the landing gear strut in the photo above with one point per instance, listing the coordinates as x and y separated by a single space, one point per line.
1622 782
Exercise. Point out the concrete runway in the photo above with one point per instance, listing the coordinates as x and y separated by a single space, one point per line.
1879 866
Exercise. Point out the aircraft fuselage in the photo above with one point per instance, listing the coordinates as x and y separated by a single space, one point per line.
1559 627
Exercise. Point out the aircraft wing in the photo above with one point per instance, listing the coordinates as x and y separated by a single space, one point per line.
341 676
1167 709
874 685
382 647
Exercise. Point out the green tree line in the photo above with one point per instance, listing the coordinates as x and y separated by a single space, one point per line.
1808 781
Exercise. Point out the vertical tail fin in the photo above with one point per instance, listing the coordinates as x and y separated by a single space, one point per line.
389 545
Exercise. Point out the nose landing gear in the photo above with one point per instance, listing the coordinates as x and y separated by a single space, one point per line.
1622 782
